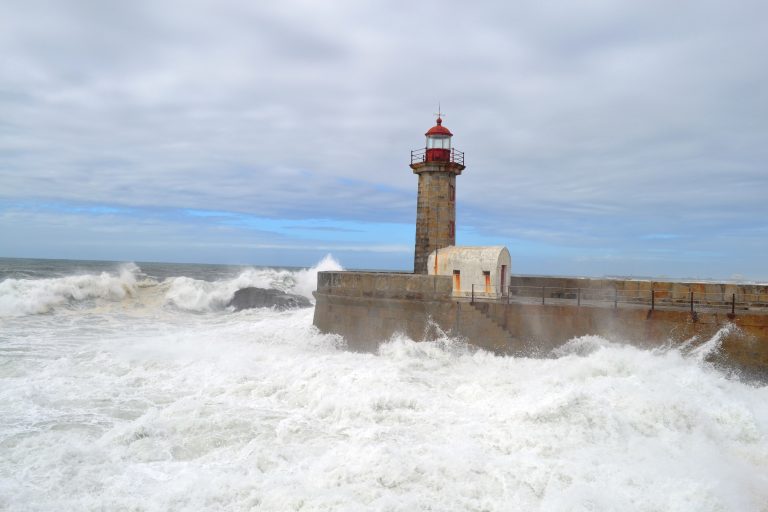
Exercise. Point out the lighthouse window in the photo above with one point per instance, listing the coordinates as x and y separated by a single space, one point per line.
438 143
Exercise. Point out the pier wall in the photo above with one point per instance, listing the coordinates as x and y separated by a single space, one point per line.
678 291
540 328
368 308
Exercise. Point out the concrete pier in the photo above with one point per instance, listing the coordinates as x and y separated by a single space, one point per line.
368 308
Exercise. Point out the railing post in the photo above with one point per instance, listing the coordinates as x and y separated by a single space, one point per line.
473 293
691 301
543 288
578 297
615 298
653 299
733 304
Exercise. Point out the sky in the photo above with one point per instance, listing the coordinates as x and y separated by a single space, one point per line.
601 137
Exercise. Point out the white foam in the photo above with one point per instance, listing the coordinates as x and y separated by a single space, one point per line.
256 410
32 296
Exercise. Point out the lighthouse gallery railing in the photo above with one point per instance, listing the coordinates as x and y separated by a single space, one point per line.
420 156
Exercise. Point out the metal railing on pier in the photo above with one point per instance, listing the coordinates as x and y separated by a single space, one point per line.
613 297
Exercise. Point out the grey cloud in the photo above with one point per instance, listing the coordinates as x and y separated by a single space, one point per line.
587 124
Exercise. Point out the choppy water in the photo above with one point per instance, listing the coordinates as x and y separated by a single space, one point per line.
132 387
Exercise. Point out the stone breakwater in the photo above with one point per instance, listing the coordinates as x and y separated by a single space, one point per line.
750 296
368 308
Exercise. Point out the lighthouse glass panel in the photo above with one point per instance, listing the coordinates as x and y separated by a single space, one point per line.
438 143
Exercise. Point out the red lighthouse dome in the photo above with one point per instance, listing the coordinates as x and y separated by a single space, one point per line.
439 129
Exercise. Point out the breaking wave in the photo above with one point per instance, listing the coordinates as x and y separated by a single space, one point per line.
699 351
20 297
197 295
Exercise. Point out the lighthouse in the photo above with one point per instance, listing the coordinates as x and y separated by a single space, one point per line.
437 166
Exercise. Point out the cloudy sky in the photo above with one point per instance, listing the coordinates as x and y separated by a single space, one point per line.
601 137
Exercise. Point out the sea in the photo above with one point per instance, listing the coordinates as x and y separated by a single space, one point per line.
133 387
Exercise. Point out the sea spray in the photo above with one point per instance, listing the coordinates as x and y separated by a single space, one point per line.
712 346
304 281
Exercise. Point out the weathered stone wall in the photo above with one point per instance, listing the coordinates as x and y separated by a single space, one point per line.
640 288
390 285
435 210
543 327
367 308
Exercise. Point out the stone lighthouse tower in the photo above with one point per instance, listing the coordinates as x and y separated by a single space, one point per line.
437 166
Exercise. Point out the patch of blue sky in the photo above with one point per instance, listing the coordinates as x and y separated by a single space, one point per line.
99 210
327 230
660 236
321 230
209 213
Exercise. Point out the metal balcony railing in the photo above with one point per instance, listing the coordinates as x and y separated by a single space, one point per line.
420 156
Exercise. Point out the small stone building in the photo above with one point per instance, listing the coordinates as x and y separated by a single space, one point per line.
487 268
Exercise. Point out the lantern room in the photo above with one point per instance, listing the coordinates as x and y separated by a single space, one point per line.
438 147
438 143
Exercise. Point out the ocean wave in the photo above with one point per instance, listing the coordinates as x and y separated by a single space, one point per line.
19 297
198 295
